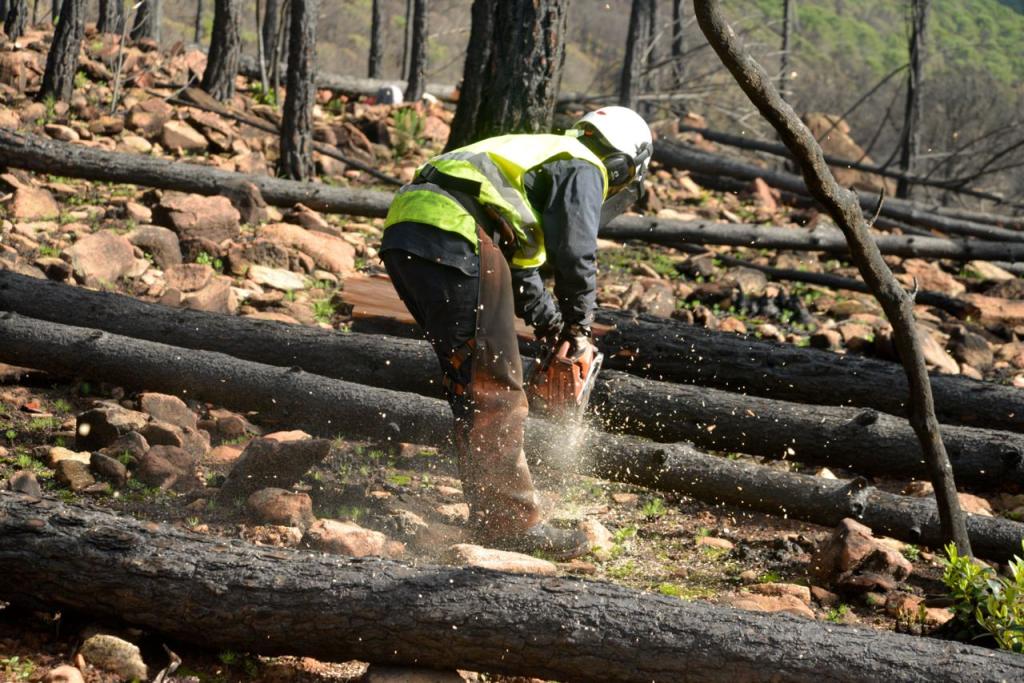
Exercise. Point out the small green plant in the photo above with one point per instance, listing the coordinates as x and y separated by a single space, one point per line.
623 571
81 80
49 250
670 589
323 310
261 96
11 434
911 552
192 522
17 668
770 576
62 406
654 508
985 603
409 125
204 259
836 614
400 479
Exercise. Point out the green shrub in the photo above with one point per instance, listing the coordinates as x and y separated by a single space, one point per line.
985 603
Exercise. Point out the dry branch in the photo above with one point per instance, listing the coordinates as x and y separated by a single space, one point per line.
327 407
845 208
259 600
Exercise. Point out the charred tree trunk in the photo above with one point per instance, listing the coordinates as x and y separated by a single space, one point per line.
844 207
355 411
16 19
787 31
828 240
55 11
407 39
861 439
225 49
62 60
513 69
911 139
678 44
637 42
147 20
451 618
50 156
268 33
296 160
197 27
418 54
374 68
111 17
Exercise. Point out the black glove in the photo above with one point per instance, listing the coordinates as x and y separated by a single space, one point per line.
548 334
579 338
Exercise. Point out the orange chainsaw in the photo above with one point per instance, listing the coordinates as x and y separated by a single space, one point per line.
558 384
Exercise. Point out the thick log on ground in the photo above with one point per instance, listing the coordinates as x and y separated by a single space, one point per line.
828 240
671 351
650 347
863 440
226 594
675 155
329 407
32 153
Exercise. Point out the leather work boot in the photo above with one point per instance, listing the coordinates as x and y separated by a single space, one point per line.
545 539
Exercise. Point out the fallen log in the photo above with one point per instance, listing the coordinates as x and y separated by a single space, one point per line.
650 347
828 240
676 155
670 351
863 440
779 150
29 152
259 600
329 407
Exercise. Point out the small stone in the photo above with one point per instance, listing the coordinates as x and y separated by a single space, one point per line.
499 560
328 251
25 481
934 354
348 538
273 534
749 576
102 256
114 655
625 498
223 455
970 348
109 469
62 133
277 506
162 243
989 271
730 324
454 513
133 445
73 474
599 538
33 204
902 606
163 434
194 216
801 593
180 136
216 297
930 277
825 473
268 462
918 489
58 453
101 426
167 408
189 277
452 492
827 339
392 674
278 278
975 505
167 467
824 597
770 603
64 674
136 144
713 542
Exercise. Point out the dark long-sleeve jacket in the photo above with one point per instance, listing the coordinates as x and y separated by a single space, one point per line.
567 194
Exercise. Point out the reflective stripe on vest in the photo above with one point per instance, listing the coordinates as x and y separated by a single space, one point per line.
499 166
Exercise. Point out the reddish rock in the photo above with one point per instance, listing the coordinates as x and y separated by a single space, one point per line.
713 542
108 469
73 474
801 593
194 216
930 277
993 311
277 506
754 602
329 252
454 513
222 455
348 538
273 534
167 408
63 674
167 467
599 538
499 560
216 297
102 425
102 257
162 243
189 277
33 204
934 353
266 462
25 481
853 560
180 136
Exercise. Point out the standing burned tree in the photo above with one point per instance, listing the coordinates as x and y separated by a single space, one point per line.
62 61
111 17
373 69
787 35
225 50
637 41
513 69
197 27
147 20
844 207
16 18
418 53
296 159
678 45
911 139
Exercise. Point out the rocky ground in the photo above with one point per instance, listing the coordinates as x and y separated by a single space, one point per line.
213 471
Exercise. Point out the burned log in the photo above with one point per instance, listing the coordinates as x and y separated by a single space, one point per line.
29 152
258 599
828 240
329 407
676 155
649 347
863 440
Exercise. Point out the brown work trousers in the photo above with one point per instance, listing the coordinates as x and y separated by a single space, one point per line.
496 479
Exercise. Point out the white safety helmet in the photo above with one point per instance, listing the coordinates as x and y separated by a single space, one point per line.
627 139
